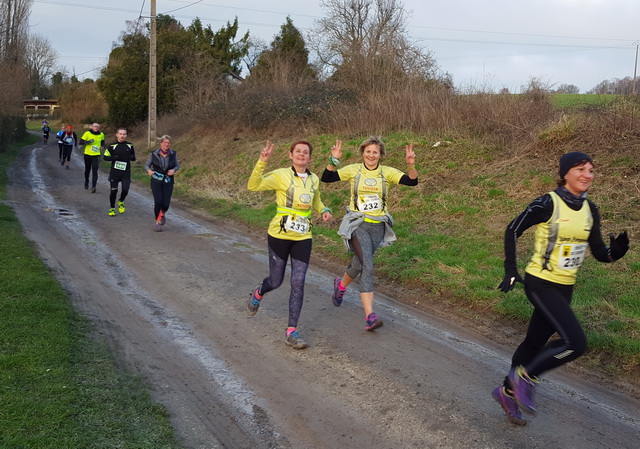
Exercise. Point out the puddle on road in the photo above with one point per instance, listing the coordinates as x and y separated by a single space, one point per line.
63 212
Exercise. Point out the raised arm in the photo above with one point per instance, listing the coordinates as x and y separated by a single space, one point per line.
257 181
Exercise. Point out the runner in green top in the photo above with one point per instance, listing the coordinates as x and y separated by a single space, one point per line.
93 141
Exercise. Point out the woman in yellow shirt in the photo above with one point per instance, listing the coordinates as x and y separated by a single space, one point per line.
566 223
367 224
289 234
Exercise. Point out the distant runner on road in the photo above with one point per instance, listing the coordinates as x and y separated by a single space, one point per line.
59 135
289 234
161 165
69 141
120 153
566 224
367 224
45 134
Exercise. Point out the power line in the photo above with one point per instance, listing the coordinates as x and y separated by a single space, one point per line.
182 7
139 17
505 33
76 5
235 8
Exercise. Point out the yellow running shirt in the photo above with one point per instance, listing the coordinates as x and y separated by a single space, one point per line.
295 200
93 148
369 187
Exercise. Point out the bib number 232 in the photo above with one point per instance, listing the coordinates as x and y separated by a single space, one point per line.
369 203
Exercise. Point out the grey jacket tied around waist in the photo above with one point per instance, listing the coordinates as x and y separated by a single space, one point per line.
353 219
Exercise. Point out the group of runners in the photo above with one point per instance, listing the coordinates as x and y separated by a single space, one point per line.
566 224
565 221
161 166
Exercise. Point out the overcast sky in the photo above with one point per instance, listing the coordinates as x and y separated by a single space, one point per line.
482 44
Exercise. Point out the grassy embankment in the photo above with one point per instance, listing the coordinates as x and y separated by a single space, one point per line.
60 386
450 228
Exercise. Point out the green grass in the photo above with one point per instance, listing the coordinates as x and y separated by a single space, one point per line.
581 100
60 387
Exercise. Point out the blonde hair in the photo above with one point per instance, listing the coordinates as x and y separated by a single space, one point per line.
372 141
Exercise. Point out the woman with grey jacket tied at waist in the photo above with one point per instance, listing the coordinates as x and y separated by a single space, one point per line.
161 165
367 224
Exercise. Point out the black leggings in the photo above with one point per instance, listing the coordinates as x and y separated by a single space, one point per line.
552 313
60 151
126 184
91 164
162 192
279 251
66 152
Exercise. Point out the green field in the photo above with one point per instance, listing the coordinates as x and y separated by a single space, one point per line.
582 100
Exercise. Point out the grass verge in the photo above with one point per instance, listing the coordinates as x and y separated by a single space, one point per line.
60 385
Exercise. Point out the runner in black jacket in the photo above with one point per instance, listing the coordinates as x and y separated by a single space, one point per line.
121 153
161 165
566 223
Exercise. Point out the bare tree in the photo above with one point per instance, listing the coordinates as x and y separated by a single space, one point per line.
14 20
567 89
202 85
41 59
13 87
366 42
256 47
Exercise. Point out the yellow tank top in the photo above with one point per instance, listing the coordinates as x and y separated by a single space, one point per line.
561 243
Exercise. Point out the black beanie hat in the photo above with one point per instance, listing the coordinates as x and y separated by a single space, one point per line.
570 160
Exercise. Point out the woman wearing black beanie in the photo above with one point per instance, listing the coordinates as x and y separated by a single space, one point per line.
566 223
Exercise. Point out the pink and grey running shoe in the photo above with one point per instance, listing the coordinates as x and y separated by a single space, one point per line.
373 322
338 293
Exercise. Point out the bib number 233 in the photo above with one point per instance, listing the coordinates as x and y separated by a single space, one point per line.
296 223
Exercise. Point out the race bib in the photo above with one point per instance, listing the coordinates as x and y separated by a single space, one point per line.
157 176
297 223
571 255
119 165
369 203
95 148
68 140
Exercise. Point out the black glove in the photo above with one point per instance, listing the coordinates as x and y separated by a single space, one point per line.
509 281
618 246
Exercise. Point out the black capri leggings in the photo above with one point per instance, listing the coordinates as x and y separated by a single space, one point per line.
552 313
279 252
162 192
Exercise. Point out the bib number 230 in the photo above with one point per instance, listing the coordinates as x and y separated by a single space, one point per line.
572 256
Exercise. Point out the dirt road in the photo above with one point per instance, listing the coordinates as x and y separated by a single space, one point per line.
172 306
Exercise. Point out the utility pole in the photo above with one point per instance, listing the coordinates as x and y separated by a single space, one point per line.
635 69
152 77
